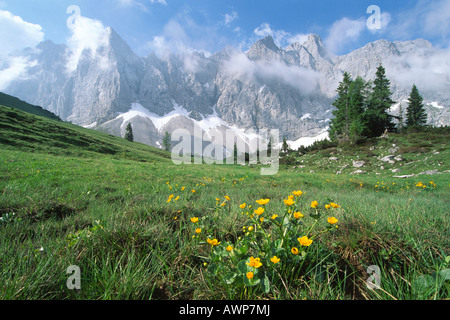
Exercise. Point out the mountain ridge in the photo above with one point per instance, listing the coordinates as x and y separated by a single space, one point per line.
267 87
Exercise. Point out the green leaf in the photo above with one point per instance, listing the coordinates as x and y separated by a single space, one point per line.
422 284
242 266
230 277
244 249
266 284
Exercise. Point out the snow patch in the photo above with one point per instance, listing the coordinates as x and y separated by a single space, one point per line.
306 116
307 141
436 105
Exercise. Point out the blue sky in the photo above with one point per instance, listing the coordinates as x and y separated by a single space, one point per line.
211 25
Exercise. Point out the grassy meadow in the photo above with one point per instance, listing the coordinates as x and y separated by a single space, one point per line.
140 227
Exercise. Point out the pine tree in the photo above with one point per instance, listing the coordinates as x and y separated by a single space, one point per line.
348 124
285 146
416 115
129 133
339 127
376 114
358 94
166 141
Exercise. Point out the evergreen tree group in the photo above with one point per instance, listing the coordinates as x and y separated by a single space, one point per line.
362 109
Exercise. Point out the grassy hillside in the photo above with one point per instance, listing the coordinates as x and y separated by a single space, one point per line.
26 132
13 102
140 227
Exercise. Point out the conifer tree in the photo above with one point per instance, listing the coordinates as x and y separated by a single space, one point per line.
339 127
129 133
376 114
166 141
416 115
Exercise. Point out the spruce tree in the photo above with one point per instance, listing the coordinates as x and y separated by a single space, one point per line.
416 115
166 141
376 114
285 146
129 133
357 103
339 127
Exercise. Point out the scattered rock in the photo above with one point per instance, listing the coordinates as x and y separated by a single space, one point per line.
358 164
389 159
395 170
333 158
405 176
398 158
430 172
358 172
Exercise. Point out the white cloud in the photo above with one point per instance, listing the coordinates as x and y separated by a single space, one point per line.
159 1
280 37
342 32
431 18
16 35
229 18
86 35
304 80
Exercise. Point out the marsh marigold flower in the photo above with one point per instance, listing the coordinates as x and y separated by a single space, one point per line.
334 205
298 215
250 275
327 206
229 248
254 262
198 230
194 219
289 202
242 206
275 259
228 198
314 204
304 241
297 193
332 220
274 217
213 242
294 251
263 201
259 211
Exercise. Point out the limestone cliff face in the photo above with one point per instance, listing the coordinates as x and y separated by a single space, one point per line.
268 87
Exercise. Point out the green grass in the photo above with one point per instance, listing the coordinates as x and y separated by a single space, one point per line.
59 179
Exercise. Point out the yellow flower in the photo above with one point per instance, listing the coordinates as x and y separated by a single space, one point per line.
229 248
222 204
274 217
217 199
259 211
193 191
242 206
198 230
314 204
263 201
228 198
304 241
334 205
250 228
419 184
298 215
297 193
178 197
327 206
294 251
254 262
168 200
332 220
194 219
183 188
289 202
275 259
250 275
213 242
261 219
291 197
